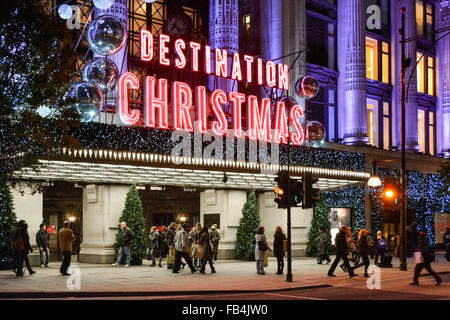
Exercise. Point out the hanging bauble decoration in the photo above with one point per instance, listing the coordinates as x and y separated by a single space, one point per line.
102 72
106 35
315 134
103 4
178 24
288 101
88 100
306 87
149 1
65 11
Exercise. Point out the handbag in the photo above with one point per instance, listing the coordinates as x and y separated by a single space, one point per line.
266 259
418 257
262 246
197 251
19 244
285 245
171 256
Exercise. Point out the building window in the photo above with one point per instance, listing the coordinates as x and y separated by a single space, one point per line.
431 132
424 17
247 25
331 114
425 74
375 48
321 42
386 126
421 130
372 122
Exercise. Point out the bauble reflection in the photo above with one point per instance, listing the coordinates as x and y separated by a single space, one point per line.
102 72
106 35
88 100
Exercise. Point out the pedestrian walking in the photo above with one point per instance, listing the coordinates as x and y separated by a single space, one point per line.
278 248
341 252
43 243
260 250
196 243
371 244
170 240
66 237
424 256
17 242
126 237
412 238
153 245
23 249
362 248
381 246
163 245
447 243
215 238
208 252
324 244
182 250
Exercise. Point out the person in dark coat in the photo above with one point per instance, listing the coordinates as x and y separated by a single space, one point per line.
447 243
196 240
260 253
15 238
206 243
341 252
153 244
126 237
381 245
278 248
163 245
362 248
23 249
324 244
412 238
43 243
428 256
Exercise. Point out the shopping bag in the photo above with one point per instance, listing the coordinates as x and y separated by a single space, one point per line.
285 245
171 256
418 257
266 259
198 251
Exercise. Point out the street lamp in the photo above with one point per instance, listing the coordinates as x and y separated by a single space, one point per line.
374 180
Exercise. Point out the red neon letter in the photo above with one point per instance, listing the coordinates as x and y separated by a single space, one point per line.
220 125
298 136
236 101
127 80
249 60
180 61
260 77
258 121
146 45
182 103
281 127
207 59
270 74
200 104
163 49
283 76
195 49
221 63
151 102
236 73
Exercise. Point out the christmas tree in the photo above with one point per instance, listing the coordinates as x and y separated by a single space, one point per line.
320 220
248 227
132 215
7 225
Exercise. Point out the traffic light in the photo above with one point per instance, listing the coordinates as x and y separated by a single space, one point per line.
282 189
296 188
391 194
310 194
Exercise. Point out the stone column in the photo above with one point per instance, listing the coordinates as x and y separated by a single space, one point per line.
29 207
443 107
229 204
102 208
224 34
352 63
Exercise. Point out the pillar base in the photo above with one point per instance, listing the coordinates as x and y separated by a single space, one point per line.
356 141
412 148
98 254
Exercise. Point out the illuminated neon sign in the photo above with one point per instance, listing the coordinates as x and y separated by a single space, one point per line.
218 63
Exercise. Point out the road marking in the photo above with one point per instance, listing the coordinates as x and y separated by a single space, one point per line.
290 296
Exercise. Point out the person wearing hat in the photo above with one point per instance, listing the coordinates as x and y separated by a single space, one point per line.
427 253
324 243
215 237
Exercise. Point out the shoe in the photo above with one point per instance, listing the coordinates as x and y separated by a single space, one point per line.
366 275
414 284
19 274
127 265
159 265
46 266
32 272
42 266
320 262
183 265
262 272
439 282
202 271
194 270
174 271
153 265
115 265
328 261
353 275
65 274
331 275
213 271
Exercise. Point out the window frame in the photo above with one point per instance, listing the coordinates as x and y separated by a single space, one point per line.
425 56
379 57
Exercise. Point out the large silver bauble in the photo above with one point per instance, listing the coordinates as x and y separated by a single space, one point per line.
306 87
88 100
65 11
315 134
102 72
103 4
106 35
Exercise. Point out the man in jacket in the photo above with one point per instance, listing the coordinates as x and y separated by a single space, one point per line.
126 237
428 257
182 250
153 245
324 242
215 238
66 238
341 252
42 241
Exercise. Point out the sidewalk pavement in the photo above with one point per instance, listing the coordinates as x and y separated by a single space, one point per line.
231 277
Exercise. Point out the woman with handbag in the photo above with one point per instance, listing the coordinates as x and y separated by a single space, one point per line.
260 250
278 248
207 246
163 245
362 247
424 256
23 247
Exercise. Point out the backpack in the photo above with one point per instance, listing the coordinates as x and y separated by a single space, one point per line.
262 246
382 244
